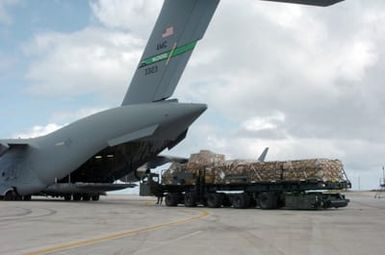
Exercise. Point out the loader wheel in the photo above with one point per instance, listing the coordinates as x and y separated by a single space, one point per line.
268 200
226 201
215 200
241 201
77 197
86 197
190 199
171 199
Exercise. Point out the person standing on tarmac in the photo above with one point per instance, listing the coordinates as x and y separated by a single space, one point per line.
157 191
160 199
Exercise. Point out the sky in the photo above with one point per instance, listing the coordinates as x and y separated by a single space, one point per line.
305 81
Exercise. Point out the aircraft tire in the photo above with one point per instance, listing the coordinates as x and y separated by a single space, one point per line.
95 197
11 195
67 198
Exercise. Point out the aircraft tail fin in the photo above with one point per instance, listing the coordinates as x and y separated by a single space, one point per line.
180 25
263 155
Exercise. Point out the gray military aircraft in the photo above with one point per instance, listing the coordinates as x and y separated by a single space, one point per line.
107 146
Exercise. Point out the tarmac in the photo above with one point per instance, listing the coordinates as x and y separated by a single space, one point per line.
132 225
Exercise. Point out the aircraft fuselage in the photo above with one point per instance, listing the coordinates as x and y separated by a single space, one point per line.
60 153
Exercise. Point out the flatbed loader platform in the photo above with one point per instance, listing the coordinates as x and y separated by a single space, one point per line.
305 194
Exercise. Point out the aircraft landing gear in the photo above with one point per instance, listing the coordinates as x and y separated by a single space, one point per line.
81 197
95 198
27 198
12 195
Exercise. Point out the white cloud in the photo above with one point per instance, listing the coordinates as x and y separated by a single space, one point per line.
90 61
5 18
37 131
137 16
68 117
58 120
263 123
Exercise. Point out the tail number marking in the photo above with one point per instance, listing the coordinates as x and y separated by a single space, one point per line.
151 70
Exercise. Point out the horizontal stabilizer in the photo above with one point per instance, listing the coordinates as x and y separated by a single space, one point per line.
3 148
309 2
5 145
161 160
136 135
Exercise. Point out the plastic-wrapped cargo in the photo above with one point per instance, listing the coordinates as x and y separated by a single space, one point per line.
313 169
205 158
187 173
218 171
324 170
177 174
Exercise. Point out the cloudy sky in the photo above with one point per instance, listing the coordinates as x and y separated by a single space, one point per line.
306 82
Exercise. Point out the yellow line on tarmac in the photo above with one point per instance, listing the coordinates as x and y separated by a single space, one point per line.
114 236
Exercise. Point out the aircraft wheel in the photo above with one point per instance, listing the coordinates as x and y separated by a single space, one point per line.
8 196
11 196
77 197
215 200
67 198
95 197
190 199
86 197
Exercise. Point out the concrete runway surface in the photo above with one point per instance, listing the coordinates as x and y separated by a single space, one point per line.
132 225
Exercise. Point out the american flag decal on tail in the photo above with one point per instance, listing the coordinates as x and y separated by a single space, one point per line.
168 32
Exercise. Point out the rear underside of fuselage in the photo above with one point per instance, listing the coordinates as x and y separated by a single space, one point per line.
114 163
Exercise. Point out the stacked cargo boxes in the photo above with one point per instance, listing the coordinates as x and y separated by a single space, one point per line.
203 161
219 171
313 169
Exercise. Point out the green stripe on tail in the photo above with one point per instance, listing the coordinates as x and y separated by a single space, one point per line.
168 54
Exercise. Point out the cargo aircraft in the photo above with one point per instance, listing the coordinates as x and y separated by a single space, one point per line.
93 152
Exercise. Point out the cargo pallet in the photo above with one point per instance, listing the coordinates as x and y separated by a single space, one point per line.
303 194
